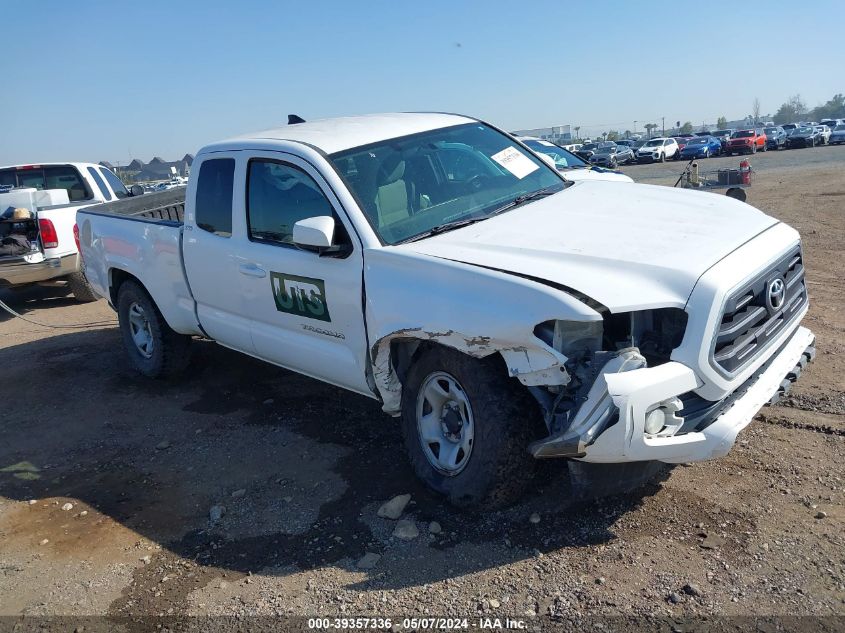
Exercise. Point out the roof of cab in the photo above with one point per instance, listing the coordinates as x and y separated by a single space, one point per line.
341 133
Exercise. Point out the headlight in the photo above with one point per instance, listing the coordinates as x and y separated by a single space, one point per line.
571 338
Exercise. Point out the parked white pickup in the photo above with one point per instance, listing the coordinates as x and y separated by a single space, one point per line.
502 312
51 193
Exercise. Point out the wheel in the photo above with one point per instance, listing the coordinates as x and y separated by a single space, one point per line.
662 157
736 193
812 142
765 147
154 349
81 289
753 149
466 427
706 153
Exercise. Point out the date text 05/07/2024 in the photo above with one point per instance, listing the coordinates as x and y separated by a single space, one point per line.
417 623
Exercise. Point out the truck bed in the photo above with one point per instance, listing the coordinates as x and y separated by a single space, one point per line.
166 207
140 237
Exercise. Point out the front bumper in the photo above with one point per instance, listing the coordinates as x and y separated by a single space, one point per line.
635 393
17 271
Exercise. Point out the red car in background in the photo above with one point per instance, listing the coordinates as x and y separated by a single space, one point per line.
682 141
746 142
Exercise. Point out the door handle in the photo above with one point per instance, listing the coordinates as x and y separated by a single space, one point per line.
252 270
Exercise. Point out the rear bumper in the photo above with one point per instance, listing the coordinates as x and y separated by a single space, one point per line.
635 393
16 271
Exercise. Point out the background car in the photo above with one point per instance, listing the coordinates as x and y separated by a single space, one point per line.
657 149
837 135
612 156
587 150
627 143
701 147
831 123
746 142
723 136
568 164
804 136
682 142
775 137
824 133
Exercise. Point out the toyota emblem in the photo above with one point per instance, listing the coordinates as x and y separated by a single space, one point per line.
776 294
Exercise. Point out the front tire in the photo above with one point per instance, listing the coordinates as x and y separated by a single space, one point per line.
154 349
81 289
466 427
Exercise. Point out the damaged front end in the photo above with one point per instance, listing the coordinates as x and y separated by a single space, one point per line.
579 412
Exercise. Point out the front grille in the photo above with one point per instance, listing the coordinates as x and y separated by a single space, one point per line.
754 315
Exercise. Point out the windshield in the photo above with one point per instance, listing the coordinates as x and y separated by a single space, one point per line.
702 140
589 146
410 185
564 159
608 149
770 130
743 134
721 133
803 130
655 142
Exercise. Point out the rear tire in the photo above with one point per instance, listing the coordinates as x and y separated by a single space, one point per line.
81 289
154 348
662 157
497 414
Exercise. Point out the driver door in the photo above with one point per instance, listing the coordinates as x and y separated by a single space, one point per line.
306 310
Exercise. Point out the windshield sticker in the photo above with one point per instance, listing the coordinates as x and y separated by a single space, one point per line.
515 162
302 296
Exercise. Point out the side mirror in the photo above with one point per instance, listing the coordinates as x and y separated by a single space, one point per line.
314 234
136 190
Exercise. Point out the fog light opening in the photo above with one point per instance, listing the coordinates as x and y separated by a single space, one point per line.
662 420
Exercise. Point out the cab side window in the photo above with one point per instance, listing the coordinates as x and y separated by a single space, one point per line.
278 196
214 196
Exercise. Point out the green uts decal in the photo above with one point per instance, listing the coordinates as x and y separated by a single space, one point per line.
302 296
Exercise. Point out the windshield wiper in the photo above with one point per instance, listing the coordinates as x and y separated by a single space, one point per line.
526 197
441 228
457 224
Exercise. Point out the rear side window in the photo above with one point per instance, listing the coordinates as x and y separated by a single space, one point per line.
116 183
214 196
48 177
100 184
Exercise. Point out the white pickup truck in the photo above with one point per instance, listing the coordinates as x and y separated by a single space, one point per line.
51 193
504 313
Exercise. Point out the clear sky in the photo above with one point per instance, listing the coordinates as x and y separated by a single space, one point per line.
115 80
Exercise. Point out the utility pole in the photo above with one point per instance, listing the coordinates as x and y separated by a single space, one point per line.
635 127
664 125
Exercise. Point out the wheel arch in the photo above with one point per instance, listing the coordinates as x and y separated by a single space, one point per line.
393 355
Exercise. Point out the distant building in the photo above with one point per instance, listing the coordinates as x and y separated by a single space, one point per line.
156 169
555 134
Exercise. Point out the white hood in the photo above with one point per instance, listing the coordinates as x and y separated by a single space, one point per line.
628 246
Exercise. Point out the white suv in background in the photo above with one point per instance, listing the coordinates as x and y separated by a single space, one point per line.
824 132
657 149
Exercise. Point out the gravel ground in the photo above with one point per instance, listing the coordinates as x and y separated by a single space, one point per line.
247 490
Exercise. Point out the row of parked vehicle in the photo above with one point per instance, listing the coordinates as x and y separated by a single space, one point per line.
707 144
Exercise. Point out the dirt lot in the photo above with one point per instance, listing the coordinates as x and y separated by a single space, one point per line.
301 469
